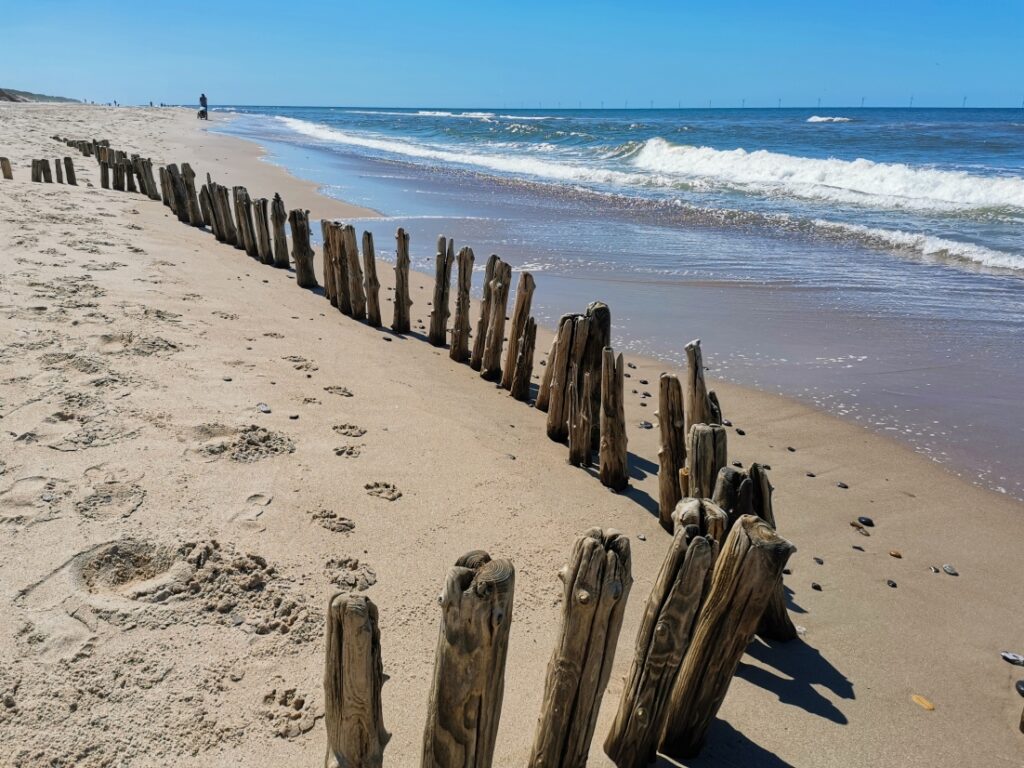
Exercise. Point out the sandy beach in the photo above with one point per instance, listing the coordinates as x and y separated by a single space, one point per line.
135 353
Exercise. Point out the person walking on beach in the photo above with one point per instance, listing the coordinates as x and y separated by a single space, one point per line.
203 113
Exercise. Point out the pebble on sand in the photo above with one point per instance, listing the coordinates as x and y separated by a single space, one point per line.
262 407
922 702
819 561
1013 658
1020 687
866 521
844 486
816 586
950 570
891 583
896 553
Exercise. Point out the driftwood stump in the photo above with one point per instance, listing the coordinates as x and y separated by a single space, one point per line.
672 450
278 217
544 392
400 320
264 250
520 314
613 456
355 273
559 363
661 645
353 676
707 518
599 336
469 671
595 586
5 169
480 338
372 283
701 405
520 388
459 350
705 456
501 282
437 331
746 573
302 253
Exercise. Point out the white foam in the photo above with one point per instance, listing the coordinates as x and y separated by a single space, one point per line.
889 185
929 245
827 119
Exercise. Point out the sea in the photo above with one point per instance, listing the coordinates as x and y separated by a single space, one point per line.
868 262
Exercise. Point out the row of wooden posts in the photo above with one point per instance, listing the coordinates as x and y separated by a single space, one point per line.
720 581
41 171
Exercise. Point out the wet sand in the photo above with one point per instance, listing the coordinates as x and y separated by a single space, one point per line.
136 351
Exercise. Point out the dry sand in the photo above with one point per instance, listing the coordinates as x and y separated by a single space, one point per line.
135 351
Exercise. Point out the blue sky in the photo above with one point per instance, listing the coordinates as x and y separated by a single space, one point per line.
460 54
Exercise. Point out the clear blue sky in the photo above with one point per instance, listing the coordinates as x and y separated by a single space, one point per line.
461 54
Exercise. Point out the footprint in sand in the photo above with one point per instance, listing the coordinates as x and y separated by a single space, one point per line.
385 491
251 512
349 574
348 451
349 430
332 521
31 499
337 390
289 713
245 445
301 364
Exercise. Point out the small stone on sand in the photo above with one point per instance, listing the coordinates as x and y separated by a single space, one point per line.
816 586
1013 658
950 570
844 486
866 521
895 553
263 408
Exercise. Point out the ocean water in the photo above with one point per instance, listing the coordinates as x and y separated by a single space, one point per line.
868 261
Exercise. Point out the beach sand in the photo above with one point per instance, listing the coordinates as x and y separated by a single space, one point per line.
135 351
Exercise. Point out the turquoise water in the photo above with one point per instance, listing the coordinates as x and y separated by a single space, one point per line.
870 262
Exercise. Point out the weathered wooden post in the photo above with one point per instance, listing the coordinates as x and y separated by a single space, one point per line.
5 169
775 622
353 677
459 350
400 321
372 283
701 405
595 586
44 167
580 420
661 645
206 206
438 330
613 456
223 202
277 219
560 362
327 261
118 171
490 364
58 171
710 520
37 172
260 209
69 172
355 274
151 187
705 456
302 253
195 213
165 183
745 575
520 314
340 260
469 669
734 493
599 336
480 337
672 453
520 388
544 392
177 186
129 175
246 228
139 174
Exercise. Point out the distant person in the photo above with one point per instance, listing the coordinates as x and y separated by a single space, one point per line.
203 111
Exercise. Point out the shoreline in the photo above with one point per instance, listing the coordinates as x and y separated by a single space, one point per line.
475 470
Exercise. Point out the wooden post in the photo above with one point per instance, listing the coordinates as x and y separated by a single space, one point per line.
223 202
355 274
261 213
437 332
520 314
661 644
118 170
400 322
746 573
243 213
372 283
708 519
559 361
302 253
277 219
490 364
469 669
775 622
151 188
595 586
672 450
206 206
44 167
705 456
69 172
580 420
5 169
327 261
733 493
544 392
613 456
459 350
480 338
58 171
599 336
353 677
129 175
37 173
520 388
140 174
165 183
701 405
340 261
195 213
177 188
